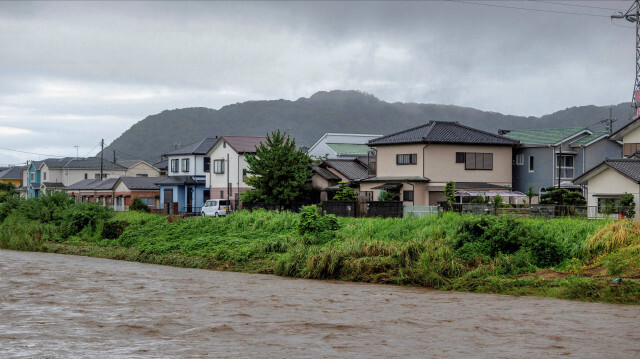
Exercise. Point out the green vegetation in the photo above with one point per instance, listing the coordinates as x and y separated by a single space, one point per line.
595 260
562 197
450 193
139 206
280 171
386 196
344 193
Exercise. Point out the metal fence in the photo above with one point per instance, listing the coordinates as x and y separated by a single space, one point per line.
419 211
547 211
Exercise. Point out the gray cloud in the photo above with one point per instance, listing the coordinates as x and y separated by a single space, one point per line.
74 72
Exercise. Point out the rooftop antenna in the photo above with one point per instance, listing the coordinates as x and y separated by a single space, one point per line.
632 15
76 151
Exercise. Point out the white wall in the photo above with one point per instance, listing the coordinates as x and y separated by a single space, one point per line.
611 182
234 167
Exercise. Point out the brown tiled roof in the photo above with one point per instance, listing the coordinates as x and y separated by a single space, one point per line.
244 144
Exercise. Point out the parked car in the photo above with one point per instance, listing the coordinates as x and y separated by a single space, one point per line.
216 208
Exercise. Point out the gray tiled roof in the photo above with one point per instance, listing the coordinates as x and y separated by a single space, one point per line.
79 163
140 183
197 148
244 144
443 132
629 167
53 184
351 169
324 173
178 180
12 173
93 184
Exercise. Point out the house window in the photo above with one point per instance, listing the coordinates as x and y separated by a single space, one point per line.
368 195
459 157
609 205
221 194
630 148
244 175
519 159
142 175
86 176
185 165
206 195
174 165
33 177
478 161
565 167
206 163
530 163
224 144
407 159
218 167
45 176
97 176
407 196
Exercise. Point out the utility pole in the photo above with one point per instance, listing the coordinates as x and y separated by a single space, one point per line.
101 157
114 156
632 15
608 122
76 151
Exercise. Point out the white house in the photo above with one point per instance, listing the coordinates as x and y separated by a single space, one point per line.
228 170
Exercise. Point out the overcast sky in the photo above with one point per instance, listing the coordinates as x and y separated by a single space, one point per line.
72 73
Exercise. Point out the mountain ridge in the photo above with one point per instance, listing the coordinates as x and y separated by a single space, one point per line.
307 119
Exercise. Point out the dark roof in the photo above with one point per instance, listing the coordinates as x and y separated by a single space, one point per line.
12 173
178 180
140 183
93 184
624 130
324 173
628 167
53 184
79 163
396 179
443 132
244 144
351 169
197 148
162 165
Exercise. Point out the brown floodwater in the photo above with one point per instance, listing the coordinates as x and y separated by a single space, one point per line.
59 306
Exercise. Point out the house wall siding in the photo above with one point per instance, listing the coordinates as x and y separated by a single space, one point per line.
611 182
142 168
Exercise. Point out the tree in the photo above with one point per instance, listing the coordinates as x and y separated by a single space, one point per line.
530 194
626 201
7 190
562 197
279 171
386 196
450 193
139 206
345 193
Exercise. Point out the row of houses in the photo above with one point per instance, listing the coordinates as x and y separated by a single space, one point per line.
413 164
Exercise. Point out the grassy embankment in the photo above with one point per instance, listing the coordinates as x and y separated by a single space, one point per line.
564 258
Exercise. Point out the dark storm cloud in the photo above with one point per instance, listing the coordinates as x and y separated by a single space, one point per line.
109 64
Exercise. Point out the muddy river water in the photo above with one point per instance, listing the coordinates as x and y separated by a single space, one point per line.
59 306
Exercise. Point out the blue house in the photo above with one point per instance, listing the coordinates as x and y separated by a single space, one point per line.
556 156
187 168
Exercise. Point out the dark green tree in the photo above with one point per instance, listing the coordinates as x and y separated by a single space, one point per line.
279 171
530 193
450 193
626 200
345 193
562 197
138 205
7 190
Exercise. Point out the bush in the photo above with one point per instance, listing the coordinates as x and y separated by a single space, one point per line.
311 222
139 206
487 237
83 216
386 196
113 229
345 193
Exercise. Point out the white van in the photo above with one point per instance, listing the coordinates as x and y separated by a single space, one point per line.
216 208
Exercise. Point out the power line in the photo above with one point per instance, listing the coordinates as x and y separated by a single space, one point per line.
527 9
574 5
30 153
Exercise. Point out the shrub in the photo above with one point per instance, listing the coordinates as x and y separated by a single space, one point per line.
345 193
139 206
312 222
114 228
386 196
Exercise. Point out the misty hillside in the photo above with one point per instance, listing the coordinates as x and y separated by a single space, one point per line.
307 119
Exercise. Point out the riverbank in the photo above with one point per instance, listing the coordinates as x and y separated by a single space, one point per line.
590 260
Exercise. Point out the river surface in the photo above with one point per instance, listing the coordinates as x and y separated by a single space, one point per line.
59 306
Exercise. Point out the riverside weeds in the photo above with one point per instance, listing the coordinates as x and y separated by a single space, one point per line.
410 251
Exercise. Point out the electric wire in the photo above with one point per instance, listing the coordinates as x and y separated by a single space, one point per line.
527 9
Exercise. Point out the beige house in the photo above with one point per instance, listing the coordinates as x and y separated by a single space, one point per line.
610 179
415 164
328 174
138 168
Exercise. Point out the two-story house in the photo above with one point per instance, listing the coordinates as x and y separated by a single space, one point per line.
415 164
614 176
56 173
12 175
555 156
228 170
187 171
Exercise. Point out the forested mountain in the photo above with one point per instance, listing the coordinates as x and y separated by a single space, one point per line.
307 119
